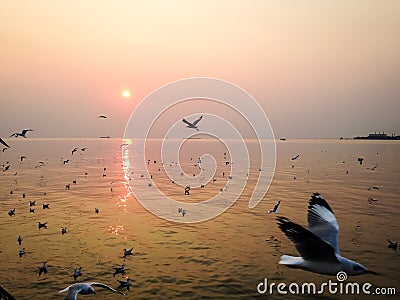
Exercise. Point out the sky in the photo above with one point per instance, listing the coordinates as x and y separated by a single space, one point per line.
319 69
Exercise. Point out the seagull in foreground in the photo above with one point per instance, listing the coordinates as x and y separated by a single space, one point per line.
23 133
194 124
318 245
296 157
85 288
4 143
275 209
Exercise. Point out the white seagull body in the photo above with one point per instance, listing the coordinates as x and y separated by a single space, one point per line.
194 124
318 245
85 288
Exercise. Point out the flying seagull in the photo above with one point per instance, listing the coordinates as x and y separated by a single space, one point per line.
4 143
296 157
318 245
194 124
84 288
392 245
275 209
102 117
23 133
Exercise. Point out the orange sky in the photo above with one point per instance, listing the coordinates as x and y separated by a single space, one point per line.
319 69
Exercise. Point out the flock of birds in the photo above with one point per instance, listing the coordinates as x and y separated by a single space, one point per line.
317 244
73 290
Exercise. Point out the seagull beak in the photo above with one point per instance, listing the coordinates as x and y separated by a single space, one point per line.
372 272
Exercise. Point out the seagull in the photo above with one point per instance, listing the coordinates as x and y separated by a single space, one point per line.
66 161
119 270
11 212
4 143
96 210
102 117
124 285
22 158
46 206
31 210
373 188
63 230
42 225
19 240
318 245
128 252
275 209
32 203
373 167
73 151
296 157
85 288
21 252
43 269
183 212
392 245
23 133
360 160
77 273
194 124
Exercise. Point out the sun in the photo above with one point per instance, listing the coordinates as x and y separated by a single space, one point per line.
126 94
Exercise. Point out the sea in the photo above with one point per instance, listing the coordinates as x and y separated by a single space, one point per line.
231 255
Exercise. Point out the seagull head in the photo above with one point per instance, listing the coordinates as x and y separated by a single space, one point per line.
355 268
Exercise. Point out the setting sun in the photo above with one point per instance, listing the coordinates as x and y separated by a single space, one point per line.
126 93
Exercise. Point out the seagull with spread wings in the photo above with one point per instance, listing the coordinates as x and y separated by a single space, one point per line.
194 124
318 245
23 133
4 143
85 288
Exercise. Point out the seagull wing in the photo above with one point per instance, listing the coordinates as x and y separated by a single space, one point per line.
14 135
197 121
276 206
322 222
184 121
4 143
105 286
73 290
310 246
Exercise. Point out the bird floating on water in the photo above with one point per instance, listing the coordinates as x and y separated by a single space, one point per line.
63 230
318 245
77 273
119 270
124 285
42 225
85 288
43 268
19 240
11 212
128 252
21 253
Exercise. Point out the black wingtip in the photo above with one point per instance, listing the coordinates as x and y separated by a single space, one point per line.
317 199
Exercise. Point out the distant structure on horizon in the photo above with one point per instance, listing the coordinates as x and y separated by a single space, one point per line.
378 136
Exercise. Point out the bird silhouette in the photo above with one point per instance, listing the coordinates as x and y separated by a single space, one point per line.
23 133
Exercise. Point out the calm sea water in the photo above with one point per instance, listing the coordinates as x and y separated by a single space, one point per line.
225 257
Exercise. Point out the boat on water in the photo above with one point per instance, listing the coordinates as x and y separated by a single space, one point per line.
378 136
